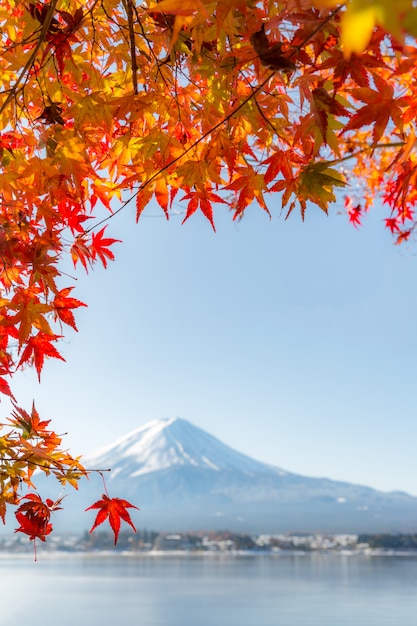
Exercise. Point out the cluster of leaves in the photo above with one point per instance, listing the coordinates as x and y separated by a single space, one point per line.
28 445
34 515
201 102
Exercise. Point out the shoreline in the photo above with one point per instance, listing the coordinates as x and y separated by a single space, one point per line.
208 554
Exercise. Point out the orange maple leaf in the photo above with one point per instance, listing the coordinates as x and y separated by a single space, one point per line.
115 510
379 107
37 348
31 424
63 304
30 313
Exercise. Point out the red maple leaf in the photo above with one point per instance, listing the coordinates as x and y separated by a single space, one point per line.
355 212
63 304
379 107
355 215
37 348
323 104
5 388
81 252
403 236
100 246
34 515
115 510
72 213
33 525
392 224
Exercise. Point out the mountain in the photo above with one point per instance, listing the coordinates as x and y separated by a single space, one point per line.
182 478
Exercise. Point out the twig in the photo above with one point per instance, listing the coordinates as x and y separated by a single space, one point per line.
223 121
31 60
129 12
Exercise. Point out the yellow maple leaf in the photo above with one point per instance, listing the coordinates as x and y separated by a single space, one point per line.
362 16
179 7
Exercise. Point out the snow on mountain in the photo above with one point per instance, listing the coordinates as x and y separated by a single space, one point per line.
182 478
166 443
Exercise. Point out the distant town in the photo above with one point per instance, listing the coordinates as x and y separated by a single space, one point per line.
154 543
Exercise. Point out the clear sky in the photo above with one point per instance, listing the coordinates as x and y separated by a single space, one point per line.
293 343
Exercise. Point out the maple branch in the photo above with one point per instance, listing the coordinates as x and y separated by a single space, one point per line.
261 113
219 124
202 137
28 65
317 29
379 146
129 12
53 468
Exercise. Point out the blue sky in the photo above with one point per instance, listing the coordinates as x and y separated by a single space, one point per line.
292 342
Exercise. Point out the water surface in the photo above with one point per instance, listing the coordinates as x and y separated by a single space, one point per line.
316 590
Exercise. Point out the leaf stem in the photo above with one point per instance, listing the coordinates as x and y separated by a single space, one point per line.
104 483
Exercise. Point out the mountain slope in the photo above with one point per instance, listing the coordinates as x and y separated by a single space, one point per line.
183 478
173 442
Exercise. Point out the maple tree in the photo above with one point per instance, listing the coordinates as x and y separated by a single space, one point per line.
109 103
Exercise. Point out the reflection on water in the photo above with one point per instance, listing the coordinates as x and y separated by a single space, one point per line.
316 590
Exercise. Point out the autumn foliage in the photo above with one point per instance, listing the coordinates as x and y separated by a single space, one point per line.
115 509
205 104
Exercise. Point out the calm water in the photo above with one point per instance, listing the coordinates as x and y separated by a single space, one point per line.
325 590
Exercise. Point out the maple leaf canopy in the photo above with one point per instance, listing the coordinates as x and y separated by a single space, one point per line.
218 104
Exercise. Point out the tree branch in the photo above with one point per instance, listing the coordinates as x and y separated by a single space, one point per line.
31 60
127 4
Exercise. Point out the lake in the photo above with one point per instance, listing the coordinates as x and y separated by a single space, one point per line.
209 590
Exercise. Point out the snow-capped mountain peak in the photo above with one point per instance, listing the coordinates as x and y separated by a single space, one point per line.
165 443
183 478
